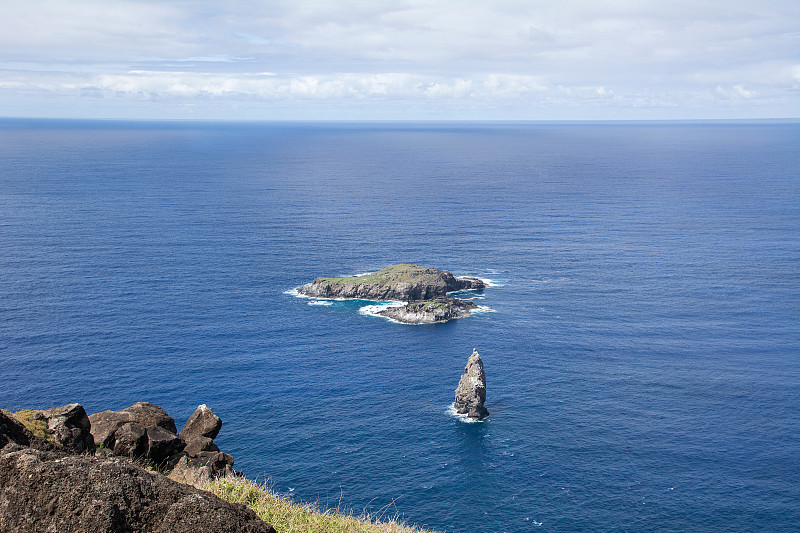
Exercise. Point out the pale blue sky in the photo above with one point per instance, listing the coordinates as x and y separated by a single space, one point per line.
400 59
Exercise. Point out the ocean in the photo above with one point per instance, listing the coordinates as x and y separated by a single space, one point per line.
642 351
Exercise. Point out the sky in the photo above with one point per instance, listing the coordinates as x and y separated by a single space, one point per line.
400 59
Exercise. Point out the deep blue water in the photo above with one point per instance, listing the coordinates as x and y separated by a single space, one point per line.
643 359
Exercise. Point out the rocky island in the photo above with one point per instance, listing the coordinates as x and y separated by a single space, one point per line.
424 289
429 311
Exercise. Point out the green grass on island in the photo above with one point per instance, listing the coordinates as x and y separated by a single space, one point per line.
287 516
390 274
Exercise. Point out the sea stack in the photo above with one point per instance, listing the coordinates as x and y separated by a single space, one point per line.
471 391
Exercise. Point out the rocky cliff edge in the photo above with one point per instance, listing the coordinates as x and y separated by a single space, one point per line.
56 484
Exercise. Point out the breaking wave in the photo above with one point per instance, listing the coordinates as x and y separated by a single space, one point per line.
461 417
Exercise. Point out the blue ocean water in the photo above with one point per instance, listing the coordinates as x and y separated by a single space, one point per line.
642 359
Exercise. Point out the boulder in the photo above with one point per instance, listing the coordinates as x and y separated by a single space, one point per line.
471 390
162 444
200 430
200 444
148 414
51 491
203 468
143 430
202 423
106 423
70 427
130 440
218 460
72 414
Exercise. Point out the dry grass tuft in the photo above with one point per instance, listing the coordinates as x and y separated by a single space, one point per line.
289 516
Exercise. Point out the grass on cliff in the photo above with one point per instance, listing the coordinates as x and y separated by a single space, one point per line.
390 274
37 427
288 516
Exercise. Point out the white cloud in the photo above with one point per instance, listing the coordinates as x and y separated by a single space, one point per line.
83 30
737 92
268 86
633 53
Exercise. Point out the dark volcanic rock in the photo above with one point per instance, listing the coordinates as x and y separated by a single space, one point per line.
471 391
73 415
12 431
49 491
130 440
105 425
198 432
148 414
202 423
430 311
70 427
143 430
203 468
200 444
395 282
162 444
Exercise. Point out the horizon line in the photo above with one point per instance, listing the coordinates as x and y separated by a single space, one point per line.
395 120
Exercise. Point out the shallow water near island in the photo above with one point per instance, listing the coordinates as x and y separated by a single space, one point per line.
642 359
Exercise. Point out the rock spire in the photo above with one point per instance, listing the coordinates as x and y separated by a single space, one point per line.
471 391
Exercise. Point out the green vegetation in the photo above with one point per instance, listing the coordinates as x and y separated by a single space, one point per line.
37 427
289 516
390 274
